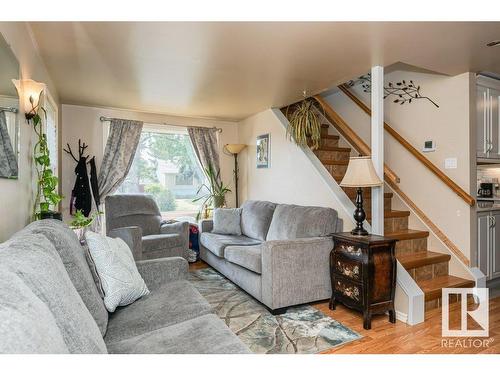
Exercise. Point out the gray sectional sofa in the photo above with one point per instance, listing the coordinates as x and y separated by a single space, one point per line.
282 256
49 303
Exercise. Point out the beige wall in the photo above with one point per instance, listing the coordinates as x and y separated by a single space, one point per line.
448 126
290 179
81 122
16 196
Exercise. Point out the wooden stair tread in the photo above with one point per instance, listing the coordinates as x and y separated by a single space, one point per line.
408 234
432 288
422 258
391 214
337 149
334 162
325 126
330 136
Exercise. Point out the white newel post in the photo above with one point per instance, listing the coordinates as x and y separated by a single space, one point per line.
377 145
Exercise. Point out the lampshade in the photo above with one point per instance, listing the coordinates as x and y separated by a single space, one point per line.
30 95
234 148
360 173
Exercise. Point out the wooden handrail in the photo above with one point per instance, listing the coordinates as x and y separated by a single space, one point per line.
351 137
426 162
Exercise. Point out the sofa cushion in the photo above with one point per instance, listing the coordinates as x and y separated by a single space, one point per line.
227 221
121 281
74 259
202 335
249 257
158 242
35 261
26 324
291 222
256 217
216 243
169 304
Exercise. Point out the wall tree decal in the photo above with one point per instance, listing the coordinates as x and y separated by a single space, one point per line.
402 91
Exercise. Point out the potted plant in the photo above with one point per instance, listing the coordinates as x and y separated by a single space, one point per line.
304 123
80 223
46 198
215 195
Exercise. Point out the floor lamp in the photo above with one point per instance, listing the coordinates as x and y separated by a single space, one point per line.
235 149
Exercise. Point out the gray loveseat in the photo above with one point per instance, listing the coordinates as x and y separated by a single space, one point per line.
49 303
282 256
136 219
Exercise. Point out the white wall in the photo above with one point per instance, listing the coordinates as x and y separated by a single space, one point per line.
16 196
448 125
81 122
290 179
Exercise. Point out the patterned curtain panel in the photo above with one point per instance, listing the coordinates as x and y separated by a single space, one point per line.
205 146
119 154
8 159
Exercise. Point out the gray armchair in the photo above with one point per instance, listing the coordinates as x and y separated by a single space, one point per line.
136 219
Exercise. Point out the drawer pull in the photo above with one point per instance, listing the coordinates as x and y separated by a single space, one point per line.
350 271
352 250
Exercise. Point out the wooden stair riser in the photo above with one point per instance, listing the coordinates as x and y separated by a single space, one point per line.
324 130
329 142
336 170
393 224
438 303
429 271
414 245
367 204
326 156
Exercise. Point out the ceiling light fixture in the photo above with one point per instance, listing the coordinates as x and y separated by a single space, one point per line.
493 43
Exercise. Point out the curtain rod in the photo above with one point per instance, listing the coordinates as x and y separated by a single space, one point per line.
103 119
9 109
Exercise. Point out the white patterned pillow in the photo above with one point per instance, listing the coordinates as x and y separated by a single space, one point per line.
121 281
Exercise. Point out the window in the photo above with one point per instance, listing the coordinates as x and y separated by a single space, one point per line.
51 131
166 167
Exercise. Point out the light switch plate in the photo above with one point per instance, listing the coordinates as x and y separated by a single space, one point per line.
450 163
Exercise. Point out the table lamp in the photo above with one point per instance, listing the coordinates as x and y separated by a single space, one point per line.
360 173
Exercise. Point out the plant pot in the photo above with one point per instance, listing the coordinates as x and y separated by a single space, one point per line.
219 202
50 215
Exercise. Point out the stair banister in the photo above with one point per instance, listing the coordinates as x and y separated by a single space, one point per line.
351 137
426 162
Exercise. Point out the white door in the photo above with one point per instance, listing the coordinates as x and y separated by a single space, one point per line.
483 239
482 122
494 108
495 245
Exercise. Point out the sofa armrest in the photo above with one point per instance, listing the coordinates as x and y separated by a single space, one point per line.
206 225
132 237
157 272
181 227
296 271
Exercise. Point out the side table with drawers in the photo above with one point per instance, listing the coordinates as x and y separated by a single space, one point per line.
363 274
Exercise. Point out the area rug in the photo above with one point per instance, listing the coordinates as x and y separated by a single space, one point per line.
302 329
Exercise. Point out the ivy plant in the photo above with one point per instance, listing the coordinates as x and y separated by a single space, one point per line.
46 197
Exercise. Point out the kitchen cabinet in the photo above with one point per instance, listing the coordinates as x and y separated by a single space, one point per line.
488 243
488 118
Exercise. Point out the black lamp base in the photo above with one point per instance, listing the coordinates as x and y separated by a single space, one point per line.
359 215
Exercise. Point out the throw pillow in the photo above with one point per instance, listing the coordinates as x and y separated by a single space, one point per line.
227 221
121 281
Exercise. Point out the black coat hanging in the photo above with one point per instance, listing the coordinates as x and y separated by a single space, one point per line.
93 182
81 195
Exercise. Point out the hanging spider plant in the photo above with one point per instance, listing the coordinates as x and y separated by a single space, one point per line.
304 123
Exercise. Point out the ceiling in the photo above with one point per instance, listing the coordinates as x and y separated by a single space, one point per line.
231 70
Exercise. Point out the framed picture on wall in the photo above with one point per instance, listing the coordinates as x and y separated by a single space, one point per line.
263 152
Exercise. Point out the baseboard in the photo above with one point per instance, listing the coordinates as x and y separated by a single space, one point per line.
402 316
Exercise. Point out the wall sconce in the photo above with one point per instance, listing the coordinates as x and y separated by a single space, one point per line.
235 149
30 95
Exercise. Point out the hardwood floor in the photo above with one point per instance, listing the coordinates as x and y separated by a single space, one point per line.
424 338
